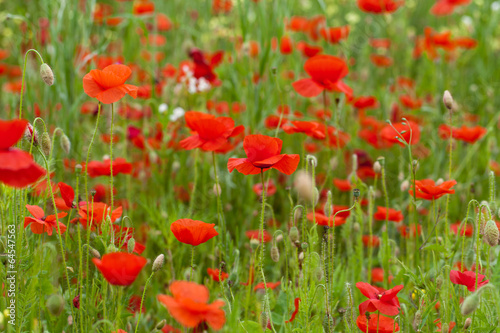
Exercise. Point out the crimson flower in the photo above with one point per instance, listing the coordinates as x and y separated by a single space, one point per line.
309 128
210 133
270 285
108 85
394 215
41 223
446 7
120 165
468 279
193 232
263 153
384 301
428 190
326 73
464 133
189 305
119 268
399 133
214 274
67 197
256 234
379 6
376 324
17 168
322 219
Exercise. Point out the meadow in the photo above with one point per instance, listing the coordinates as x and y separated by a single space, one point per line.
249 166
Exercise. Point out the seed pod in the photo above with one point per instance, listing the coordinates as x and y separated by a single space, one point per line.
47 74
275 254
78 168
491 233
470 304
294 234
448 101
55 304
158 263
467 323
264 319
304 245
46 144
65 144
131 245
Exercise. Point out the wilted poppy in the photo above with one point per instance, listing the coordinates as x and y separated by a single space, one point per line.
119 268
326 72
189 305
41 223
385 301
108 85
17 168
263 153
468 279
428 190
193 232
376 324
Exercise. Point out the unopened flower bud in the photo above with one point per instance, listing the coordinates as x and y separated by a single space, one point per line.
131 245
354 163
448 100
279 238
254 243
439 282
161 324
158 263
470 304
55 304
264 320
445 327
415 165
94 253
31 134
356 192
65 144
418 320
356 227
405 185
303 184
377 168
294 234
47 74
301 256
467 323
491 233
216 189
78 168
46 144
439 181
275 254
304 245
111 248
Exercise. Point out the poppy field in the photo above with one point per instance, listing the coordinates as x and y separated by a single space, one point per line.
249 166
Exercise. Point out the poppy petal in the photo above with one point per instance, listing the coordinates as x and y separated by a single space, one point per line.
243 165
307 88
12 131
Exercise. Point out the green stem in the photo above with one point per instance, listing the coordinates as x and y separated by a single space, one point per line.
192 263
22 82
111 178
142 301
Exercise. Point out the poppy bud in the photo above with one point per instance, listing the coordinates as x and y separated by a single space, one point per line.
377 167
279 238
55 304
297 214
94 253
47 74
470 304
111 248
31 134
439 282
313 160
304 245
356 192
217 189
354 163
301 256
491 233
303 184
46 144
70 320
254 243
445 327
356 227
275 254
415 165
78 168
405 185
439 181
448 100
294 234
160 325
131 245
418 320
65 143
467 323
264 319
158 263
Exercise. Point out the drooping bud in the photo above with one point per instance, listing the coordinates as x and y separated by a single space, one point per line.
439 181
161 324
279 238
304 245
94 253
131 245
65 144
46 144
55 304
31 134
111 248
467 323
354 163
47 74
417 320
448 100
294 234
275 254
470 304
491 233
158 263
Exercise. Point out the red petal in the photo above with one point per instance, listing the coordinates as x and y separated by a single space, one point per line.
307 88
12 131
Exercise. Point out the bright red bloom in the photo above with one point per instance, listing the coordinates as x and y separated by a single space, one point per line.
143 7
464 133
120 165
322 219
17 168
41 223
381 60
365 102
337 138
411 102
409 232
446 7
379 6
468 279
428 190
193 232
370 241
108 85
335 34
308 50
214 274
96 213
189 305
326 72
134 304
67 197
204 65
343 185
270 188
411 135
394 215
294 314
466 230
263 153
310 128
286 46
376 324
119 268
256 234
210 133
384 301
270 285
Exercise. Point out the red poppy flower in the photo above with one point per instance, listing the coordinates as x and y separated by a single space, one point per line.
381 60
143 7
41 223
270 285
335 34
193 232
464 133
468 279
370 241
286 46
134 303
376 324
394 215
120 165
451 325
189 305
119 268
428 190
108 85
321 219
256 234
204 65
384 301
326 72
446 7
409 232
409 133
67 197
307 51
343 185
310 128
337 138
96 212
17 168
122 236
379 6
378 275
263 153
217 275
270 188
410 102
296 311
365 102
380 43
466 230
211 133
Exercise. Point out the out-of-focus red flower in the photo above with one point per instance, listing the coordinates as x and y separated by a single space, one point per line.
381 60
464 133
256 234
270 285
409 231
143 7
322 219
397 132
334 35
120 269
309 128
376 324
394 215
120 165
466 230
379 6
270 188
451 325
286 46
308 50
217 275
343 185
446 7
